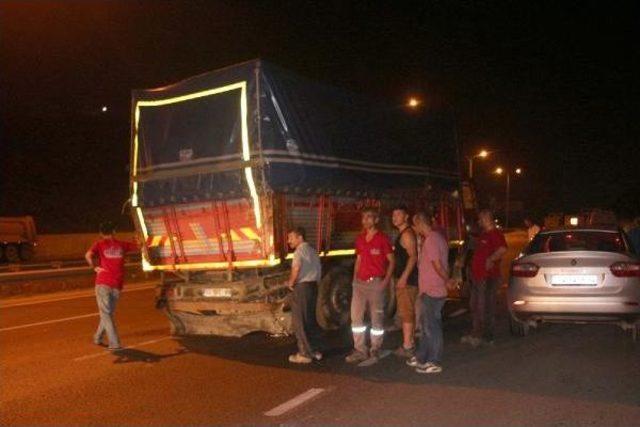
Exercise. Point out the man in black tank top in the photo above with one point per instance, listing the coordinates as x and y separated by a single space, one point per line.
406 278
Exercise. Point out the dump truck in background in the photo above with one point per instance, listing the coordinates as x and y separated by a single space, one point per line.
17 238
224 163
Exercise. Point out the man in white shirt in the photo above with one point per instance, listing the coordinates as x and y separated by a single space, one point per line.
306 272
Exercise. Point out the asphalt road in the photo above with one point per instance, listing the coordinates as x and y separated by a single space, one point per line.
51 373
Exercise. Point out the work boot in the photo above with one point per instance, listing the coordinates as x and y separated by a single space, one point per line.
374 357
356 357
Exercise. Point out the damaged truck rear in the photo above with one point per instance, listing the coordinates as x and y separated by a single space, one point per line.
222 164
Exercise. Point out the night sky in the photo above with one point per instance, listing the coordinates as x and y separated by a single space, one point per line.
553 83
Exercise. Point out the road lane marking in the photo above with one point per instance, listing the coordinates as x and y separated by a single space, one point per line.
77 295
107 352
295 402
48 322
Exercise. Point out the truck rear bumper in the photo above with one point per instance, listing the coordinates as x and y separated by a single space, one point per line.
232 319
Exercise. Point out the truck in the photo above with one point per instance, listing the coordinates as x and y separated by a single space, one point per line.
17 238
224 163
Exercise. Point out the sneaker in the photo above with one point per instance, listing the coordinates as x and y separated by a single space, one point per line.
466 339
299 358
475 342
356 357
317 355
405 352
429 368
374 357
415 363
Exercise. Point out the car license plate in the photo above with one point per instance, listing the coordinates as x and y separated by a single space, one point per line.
217 292
574 279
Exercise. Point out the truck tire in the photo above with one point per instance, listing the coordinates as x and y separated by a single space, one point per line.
12 253
26 251
333 309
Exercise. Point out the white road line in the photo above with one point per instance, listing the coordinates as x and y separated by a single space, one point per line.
107 353
295 402
48 322
76 295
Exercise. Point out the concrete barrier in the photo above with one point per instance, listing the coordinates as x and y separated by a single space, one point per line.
61 247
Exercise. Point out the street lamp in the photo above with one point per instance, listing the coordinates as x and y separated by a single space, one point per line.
413 102
482 154
499 171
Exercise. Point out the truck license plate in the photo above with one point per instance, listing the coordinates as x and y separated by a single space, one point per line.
574 279
217 292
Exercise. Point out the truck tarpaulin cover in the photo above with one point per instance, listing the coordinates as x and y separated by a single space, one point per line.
296 134
208 152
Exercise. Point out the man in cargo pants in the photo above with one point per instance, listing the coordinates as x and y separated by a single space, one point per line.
305 274
371 277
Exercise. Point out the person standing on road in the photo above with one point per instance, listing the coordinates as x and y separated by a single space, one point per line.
306 272
486 279
406 278
532 228
110 256
434 282
371 276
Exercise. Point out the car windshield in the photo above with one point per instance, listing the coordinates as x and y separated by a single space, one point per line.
601 241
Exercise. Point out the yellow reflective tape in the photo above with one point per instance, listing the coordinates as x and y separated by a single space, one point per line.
339 252
216 265
247 231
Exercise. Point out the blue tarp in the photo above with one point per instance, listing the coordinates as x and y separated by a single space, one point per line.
302 136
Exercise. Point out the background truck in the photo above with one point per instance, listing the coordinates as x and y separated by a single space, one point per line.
17 238
225 162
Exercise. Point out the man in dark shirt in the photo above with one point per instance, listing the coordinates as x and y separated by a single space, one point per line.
371 276
406 278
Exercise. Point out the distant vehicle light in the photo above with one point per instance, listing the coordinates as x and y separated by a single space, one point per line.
104 108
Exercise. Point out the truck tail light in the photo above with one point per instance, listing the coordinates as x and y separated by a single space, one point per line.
625 269
524 269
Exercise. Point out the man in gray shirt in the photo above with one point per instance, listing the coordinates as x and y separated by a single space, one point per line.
305 275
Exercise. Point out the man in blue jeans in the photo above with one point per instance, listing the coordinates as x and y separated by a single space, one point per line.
106 257
433 281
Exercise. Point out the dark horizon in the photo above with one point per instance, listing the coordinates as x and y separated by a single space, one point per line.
554 84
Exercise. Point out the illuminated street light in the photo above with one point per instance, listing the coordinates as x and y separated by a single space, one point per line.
413 102
500 171
482 154
104 109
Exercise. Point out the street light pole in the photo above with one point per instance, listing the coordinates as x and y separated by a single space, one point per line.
506 208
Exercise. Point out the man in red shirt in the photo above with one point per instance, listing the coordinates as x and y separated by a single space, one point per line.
371 276
109 253
485 275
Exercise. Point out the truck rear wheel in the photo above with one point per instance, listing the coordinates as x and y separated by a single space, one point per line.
333 309
12 253
26 251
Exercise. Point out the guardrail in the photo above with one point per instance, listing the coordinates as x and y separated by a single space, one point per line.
52 269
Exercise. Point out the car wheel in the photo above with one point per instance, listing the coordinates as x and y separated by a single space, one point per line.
518 328
12 253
